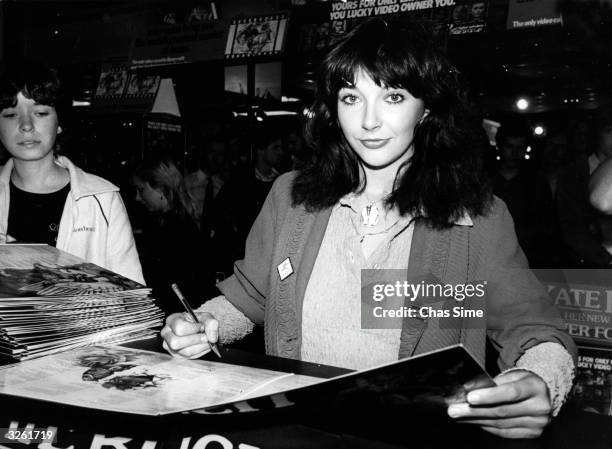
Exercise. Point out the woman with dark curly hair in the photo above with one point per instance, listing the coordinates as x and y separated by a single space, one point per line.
396 182
44 197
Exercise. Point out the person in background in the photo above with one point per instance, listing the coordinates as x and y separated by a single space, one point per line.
44 197
554 157
208 176
395 182
600 187
586 231
170 245
242 197
600 183
296 149
526 193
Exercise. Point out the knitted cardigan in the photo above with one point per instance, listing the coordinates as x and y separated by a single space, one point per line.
518 313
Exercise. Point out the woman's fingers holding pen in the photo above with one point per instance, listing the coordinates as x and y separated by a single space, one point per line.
211 326
183 337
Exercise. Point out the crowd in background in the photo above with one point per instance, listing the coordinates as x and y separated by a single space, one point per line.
544 180
192 215
192 211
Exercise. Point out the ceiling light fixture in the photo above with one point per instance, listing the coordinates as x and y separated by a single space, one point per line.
522 104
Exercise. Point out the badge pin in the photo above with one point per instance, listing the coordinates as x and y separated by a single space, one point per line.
285 269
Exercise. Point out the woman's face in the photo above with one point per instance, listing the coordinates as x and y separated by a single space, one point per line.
478 10
29 129
378 122
153 199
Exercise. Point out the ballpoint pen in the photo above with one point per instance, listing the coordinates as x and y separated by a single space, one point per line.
189 310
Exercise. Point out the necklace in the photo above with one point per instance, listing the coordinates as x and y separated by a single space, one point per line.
371 213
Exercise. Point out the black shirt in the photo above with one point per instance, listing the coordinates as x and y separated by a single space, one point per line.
35 217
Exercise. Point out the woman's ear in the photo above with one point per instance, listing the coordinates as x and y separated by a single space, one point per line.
425 114
59 129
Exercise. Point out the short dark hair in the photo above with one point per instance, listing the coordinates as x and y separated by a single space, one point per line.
266 132
512 128
36 82
444 178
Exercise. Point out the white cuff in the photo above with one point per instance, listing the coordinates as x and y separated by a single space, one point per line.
233 324
554 365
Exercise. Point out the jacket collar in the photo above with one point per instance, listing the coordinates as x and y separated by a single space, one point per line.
81 184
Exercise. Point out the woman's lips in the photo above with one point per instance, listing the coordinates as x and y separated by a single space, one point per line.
374 144
29 143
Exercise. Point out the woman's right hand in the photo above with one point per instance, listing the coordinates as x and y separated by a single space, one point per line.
184 338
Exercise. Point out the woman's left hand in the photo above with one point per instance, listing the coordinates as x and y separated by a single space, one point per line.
518 407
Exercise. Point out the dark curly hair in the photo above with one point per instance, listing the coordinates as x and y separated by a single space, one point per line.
36 82
444 178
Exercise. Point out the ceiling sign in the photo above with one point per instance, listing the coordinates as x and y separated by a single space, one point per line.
177 35
533 13
359 9
458 16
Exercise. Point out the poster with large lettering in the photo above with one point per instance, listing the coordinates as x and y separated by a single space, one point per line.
584 299
319 28
592 390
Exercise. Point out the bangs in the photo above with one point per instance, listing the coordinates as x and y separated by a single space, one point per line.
34 83
390 59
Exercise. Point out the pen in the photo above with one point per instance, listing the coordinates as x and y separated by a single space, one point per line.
189 310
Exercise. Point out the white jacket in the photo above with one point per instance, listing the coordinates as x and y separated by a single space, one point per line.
94 224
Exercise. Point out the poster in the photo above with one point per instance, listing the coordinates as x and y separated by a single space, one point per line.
533 13
256 36
112 82
180 33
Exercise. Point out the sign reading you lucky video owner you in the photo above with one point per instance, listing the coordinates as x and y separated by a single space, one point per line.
458 16
356 9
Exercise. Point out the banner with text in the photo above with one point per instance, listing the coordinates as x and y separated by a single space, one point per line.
460 17
533 13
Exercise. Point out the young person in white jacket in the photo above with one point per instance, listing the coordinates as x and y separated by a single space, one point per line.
45 198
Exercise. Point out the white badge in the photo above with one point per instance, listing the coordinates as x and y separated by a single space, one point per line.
285 269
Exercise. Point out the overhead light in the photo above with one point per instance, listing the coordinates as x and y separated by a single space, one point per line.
308 113
78 103
538 130
527 157
522 104
289 99
528 149
272 113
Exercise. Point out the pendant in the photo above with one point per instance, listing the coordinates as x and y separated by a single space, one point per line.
370 215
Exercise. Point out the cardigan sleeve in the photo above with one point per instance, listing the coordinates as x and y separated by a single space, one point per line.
520 315
247 289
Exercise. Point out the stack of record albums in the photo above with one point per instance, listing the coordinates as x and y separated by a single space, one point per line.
52 301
